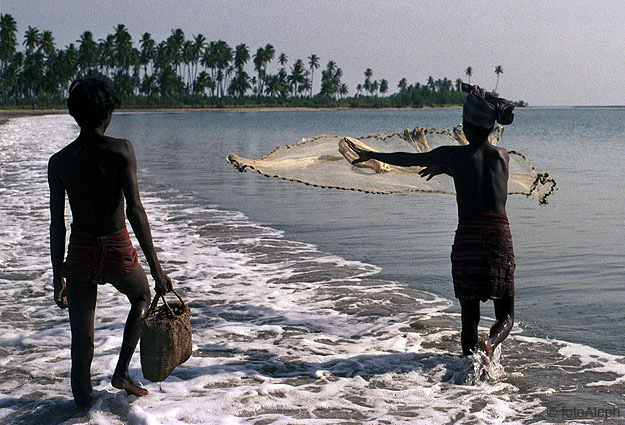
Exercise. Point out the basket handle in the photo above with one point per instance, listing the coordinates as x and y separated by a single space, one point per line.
162 296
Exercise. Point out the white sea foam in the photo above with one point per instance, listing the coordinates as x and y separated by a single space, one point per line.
283 333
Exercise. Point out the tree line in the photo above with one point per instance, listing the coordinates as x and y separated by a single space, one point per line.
195 72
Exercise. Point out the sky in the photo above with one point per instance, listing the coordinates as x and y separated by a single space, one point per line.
553 52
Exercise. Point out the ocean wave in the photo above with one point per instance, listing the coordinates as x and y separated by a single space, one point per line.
283 333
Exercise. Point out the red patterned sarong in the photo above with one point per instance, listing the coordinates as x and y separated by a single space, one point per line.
93 258
482 258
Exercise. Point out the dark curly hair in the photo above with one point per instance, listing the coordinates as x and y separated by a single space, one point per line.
90 101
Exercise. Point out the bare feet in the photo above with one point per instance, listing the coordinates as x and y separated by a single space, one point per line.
485 346
129 386
84 402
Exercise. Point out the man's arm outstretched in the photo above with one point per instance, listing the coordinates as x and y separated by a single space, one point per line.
441 156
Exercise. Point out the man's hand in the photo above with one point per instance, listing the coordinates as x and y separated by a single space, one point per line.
60 292
432 170
363 155
162 282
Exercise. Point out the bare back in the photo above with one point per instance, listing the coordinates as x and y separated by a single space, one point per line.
92 171
480 173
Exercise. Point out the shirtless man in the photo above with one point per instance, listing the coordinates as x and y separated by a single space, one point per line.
98 172
482 255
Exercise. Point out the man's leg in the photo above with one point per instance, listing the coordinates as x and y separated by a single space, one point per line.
470 319
504 315
81 300
135 286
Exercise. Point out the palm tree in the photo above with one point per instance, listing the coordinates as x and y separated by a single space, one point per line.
297 76
270 53
71 61
261 59
87 52
223 56
241 56
403 84
331 80
383 86
258 67
43 72
203 82
46 45
368 85
283 59
106 50
431 84
284 84
8 38
14 74
498 70
175 43
122 42
148 85
61 68
168 82
273 85
32 37
33 64
8 45
199 43
208 61
148 46
469 72
187 58
375 86
254 83
305 86
240 84
313 63
343 90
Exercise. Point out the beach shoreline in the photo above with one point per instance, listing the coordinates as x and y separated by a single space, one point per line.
15 113
284 331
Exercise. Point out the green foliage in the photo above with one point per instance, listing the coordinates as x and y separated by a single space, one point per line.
177 72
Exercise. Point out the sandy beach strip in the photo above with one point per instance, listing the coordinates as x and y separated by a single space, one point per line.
14 113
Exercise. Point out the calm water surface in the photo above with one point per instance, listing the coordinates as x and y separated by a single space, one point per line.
570 265
323 306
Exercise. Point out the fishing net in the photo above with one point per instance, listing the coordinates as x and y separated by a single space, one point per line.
325 161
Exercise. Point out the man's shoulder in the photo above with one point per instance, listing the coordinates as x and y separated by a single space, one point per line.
120 146
114 141
493 151
62 154
503 153
449 150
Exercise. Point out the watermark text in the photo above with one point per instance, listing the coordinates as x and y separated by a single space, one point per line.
583 412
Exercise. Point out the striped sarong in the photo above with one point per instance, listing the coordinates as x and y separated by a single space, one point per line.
482 258
94 258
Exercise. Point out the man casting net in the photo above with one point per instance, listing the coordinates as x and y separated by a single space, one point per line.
325 161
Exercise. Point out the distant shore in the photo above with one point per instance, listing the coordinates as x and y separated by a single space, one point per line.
14 113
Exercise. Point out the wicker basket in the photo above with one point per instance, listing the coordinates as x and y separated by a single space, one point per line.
166 338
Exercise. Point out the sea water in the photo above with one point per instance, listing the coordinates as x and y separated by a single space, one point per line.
320 306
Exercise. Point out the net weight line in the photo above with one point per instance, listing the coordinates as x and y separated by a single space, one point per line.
321 161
